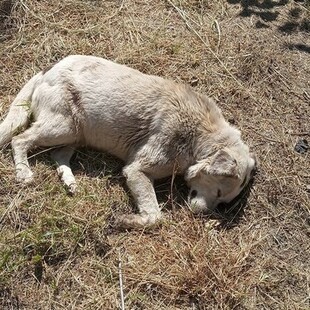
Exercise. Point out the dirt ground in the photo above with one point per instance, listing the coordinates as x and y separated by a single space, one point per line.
253 58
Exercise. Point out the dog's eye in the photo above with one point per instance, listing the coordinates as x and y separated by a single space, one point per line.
193 194
219 193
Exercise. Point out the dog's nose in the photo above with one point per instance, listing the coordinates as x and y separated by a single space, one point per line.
193 194
198 204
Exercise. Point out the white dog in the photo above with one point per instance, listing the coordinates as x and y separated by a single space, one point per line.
156 126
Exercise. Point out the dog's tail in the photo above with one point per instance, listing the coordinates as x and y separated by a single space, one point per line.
20 111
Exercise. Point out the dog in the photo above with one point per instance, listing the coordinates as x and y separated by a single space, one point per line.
156 126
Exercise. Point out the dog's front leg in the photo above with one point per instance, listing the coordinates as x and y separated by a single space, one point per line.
142 189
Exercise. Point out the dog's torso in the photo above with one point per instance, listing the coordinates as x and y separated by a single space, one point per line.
118 109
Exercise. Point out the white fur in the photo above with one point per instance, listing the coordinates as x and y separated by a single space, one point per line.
154 125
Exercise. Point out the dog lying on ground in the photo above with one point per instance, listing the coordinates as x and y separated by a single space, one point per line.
156 126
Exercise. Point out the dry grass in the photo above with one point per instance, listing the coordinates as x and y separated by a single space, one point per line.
253 58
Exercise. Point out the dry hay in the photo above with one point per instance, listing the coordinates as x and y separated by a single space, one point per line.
252 57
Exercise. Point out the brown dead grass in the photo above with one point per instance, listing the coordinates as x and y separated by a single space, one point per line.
252 57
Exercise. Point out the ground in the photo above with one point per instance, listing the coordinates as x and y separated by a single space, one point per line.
62 252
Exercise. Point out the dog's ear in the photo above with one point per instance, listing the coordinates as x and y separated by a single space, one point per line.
220 164
194 170
223 164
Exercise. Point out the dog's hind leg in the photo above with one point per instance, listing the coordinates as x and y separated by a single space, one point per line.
62 158
48 132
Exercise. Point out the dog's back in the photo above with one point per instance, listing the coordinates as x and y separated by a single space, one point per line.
117 109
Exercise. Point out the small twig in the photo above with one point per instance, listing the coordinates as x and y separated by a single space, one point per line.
217 26
121 281
301 133
46 150
174 172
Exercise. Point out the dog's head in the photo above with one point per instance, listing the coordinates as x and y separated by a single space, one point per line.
219 178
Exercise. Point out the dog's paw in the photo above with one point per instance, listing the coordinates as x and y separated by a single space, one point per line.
24 176
137 221
72 189
130 221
